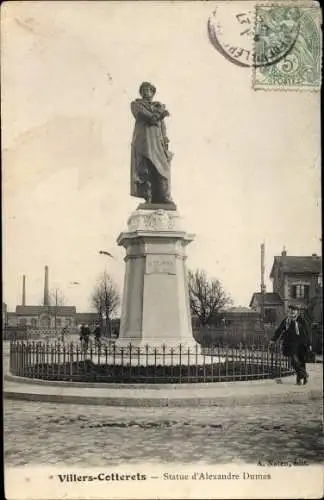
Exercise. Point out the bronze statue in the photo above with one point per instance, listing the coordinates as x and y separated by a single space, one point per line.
150 157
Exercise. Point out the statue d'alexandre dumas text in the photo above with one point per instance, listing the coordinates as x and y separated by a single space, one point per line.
150 157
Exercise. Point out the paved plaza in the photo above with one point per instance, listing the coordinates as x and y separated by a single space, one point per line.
70 434
45 433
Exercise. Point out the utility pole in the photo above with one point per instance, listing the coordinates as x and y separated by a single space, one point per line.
23 300
263 287
55 311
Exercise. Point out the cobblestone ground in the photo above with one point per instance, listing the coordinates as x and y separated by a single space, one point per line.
45 433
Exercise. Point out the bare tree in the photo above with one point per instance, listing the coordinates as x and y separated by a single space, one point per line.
207 297
57 297
56 300
105 299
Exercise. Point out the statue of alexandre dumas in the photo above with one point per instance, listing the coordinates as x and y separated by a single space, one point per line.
150 156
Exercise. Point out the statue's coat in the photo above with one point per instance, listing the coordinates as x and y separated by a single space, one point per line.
149 142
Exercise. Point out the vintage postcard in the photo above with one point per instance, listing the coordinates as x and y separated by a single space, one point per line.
162 269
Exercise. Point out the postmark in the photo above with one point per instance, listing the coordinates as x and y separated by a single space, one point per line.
231 32
238 33
280 42
300 68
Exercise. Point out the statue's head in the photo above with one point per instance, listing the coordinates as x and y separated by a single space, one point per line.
147 90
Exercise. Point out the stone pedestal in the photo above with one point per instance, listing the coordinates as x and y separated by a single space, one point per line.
155 308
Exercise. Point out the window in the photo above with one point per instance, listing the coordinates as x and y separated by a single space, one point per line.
300 291
33 322
270 316
45 321
58 321
22 321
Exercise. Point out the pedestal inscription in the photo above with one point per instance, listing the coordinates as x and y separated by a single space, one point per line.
160 264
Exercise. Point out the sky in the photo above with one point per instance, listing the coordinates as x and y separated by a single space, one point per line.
246 165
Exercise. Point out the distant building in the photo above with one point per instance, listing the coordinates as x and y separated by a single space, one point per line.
273 306
43 316
46 316
87 318
295 280
244 318
49 317
11 318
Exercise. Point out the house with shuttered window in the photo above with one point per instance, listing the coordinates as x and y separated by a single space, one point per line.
295 280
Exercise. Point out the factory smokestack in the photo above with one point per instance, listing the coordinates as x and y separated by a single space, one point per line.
23 299
46 288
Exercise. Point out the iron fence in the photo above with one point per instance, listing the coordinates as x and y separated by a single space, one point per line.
109 363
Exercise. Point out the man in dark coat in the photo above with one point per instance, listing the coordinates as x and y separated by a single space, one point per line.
295 342
84 336
97 334
150 157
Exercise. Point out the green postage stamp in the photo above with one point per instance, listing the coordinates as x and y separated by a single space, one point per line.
287 46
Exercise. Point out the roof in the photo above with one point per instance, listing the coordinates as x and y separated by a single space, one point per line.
239 310
87 317
270 298
299 265
52 310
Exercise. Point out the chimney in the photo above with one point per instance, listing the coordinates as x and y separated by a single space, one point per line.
263 287
46 289
284 252
314 254
23 300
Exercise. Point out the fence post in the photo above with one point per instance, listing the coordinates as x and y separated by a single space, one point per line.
122 363
212 363
71 360
59 360
130 361
226 362
262 361
23 359
154 363
10 357
20 361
